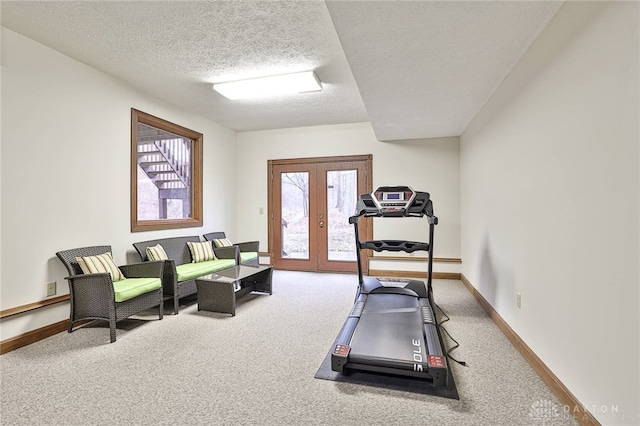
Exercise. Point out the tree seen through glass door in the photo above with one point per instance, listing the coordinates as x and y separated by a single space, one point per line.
295 215
342 195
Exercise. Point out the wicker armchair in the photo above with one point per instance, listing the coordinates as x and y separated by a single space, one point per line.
93 295
248 250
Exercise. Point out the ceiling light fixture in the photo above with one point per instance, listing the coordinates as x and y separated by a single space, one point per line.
270 86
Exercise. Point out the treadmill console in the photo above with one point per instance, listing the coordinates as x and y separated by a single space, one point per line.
391 199
394 201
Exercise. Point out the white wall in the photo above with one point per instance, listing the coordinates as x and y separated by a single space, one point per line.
430 165
66 167
550 203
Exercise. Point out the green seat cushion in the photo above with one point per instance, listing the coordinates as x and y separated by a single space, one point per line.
189 271
248 255
131 287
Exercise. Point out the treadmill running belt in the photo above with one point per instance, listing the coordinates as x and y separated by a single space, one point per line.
389 328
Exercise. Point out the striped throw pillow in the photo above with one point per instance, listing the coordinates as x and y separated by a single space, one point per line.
201 252
156 253
222 242
100 263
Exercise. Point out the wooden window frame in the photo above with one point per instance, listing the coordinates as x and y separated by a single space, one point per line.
196 183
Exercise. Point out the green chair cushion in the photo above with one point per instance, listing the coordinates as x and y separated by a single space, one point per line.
248 255
131 287
189 271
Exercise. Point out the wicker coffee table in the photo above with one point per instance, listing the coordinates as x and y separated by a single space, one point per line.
218 292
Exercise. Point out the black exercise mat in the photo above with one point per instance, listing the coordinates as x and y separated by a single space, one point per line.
386 381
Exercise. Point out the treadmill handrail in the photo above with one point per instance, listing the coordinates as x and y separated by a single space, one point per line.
356 217
394 245
421 206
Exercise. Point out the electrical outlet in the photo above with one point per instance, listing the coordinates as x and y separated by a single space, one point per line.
518 300
412 254
261 210
51 289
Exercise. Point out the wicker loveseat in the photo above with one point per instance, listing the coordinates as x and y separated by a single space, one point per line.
179 271
248 251
98 296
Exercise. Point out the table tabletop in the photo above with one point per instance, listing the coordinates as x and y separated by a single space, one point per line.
236 273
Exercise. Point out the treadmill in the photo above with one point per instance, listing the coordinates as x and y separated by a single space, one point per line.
392 329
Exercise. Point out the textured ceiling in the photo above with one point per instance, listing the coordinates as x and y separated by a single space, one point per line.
422 69
427 67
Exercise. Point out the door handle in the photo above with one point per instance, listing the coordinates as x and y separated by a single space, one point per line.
321 224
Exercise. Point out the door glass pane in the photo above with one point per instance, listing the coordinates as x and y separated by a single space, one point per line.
342 188
295 215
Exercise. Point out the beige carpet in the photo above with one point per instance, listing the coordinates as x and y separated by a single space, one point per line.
257 368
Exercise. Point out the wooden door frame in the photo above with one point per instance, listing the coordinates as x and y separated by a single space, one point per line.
368 160
323 261
289 263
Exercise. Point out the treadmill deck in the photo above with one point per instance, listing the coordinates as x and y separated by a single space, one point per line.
388 327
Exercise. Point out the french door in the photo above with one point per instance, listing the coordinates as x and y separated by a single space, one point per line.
311 201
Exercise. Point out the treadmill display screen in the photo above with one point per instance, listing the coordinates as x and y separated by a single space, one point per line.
393 196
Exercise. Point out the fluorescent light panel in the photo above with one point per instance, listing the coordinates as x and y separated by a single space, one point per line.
270 86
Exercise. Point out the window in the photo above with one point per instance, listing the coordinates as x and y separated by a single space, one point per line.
166 174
